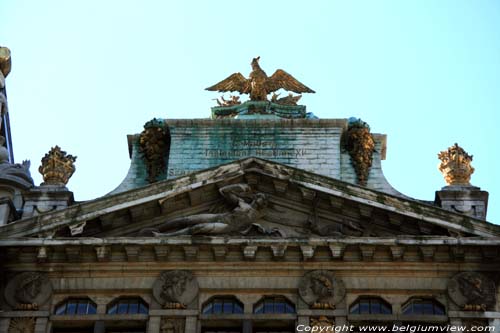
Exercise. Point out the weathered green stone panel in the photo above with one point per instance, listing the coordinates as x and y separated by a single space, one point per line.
309 144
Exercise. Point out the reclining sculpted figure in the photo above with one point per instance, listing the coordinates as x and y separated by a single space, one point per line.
248 209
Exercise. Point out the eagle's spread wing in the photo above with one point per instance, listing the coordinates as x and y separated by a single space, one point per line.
281 79
234 82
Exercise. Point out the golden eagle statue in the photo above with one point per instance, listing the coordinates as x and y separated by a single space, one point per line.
259 85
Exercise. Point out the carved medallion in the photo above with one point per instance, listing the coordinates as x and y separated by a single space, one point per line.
175 289
472 291
172 325
28 291
22 325
321 289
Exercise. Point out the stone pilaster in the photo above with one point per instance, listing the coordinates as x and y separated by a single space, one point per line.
154 324
41 325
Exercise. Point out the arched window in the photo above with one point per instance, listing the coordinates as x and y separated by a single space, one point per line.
423 306
76 306
128 305
223 305
370 305
274 304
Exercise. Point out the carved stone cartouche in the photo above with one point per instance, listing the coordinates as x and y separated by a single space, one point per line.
154 146
360 145
57 167
456 165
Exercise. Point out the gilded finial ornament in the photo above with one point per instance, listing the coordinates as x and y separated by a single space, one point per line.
258 84
57 167
5 62
456 165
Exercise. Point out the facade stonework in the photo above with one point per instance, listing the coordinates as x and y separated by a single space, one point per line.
262 219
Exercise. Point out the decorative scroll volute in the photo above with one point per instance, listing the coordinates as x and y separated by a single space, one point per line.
456 165
57 167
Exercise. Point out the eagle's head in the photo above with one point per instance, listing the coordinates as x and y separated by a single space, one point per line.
255 62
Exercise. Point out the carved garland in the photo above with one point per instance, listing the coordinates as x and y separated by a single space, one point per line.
154 145
360 145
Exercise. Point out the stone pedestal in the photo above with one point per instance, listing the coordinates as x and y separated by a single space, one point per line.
468 200
46 198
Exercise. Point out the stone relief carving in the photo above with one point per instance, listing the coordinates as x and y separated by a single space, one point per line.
154 146
321 289
57 167
456 165
248 208
175 289
19 173
172 325
322 323
22 325
360 145
28 291
472 291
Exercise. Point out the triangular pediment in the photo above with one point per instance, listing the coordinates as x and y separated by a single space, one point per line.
295 204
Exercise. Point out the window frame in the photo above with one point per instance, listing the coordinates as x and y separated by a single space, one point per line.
208 308
376 300
125 302
275 300
77 301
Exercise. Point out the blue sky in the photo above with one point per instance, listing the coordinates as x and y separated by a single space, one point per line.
87 73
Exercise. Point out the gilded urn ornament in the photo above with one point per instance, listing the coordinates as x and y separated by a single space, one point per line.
57 167
258 84
456 165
